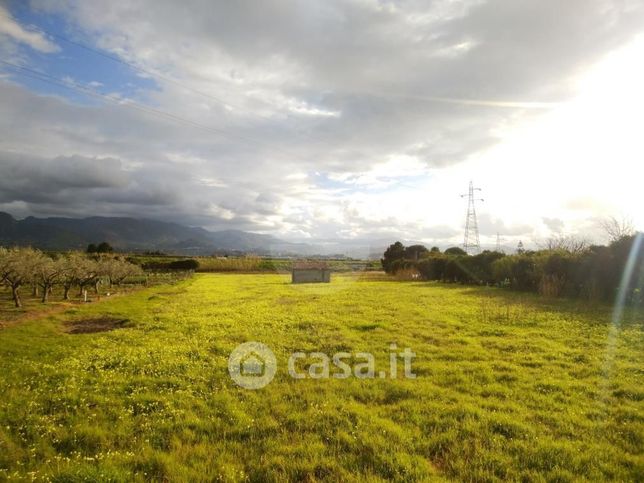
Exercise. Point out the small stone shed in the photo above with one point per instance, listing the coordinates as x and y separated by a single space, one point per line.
310 272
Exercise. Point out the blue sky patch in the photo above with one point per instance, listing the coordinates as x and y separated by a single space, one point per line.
74 64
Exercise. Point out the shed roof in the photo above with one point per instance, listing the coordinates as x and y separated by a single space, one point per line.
310 265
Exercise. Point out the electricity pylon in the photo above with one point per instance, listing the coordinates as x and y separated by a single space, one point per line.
471 243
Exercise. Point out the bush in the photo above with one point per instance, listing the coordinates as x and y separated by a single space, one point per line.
555 272
267 266
516 271
409 273
433 268
594 273
478 268
188 264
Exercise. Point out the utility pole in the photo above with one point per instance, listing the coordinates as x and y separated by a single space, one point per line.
498 243
471 243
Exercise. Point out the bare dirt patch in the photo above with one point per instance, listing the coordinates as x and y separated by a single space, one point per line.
95 324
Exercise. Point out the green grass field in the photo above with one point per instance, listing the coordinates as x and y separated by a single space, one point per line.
508 387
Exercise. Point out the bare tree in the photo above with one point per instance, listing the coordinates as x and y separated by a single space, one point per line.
87 273
23 266
118 269
108 267
568 243
48 272
617 229
69 272
3 265
17 268
78 270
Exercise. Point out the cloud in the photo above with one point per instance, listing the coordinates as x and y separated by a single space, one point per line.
35 179
490 226
555 225
379 98
12 30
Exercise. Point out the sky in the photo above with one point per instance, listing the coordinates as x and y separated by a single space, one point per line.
356 119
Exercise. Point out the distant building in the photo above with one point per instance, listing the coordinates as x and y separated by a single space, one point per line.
311 272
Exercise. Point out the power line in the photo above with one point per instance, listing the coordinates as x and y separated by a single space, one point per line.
139 69
34 74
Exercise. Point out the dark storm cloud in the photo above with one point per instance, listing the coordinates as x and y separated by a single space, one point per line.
34 179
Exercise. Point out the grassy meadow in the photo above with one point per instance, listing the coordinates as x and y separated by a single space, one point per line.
509 386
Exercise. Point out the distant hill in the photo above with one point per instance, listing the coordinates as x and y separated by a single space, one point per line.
132 234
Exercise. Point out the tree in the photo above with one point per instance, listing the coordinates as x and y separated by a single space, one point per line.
617 229
433 268
394 252
117 270
17 268
104 247
94 271
568 243
478 268
48 272
3 258
554 271
455 251
517 270
415 252
23 266
84 272
71 272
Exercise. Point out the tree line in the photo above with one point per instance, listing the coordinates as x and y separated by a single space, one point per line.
593 272
21 267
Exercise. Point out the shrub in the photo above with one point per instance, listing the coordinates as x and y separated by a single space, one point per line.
433 268
188 264
408 273
555 272
594 273
518 271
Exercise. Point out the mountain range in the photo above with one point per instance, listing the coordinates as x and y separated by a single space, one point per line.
59 233
142 235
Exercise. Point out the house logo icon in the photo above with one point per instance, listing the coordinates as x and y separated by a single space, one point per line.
252 365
